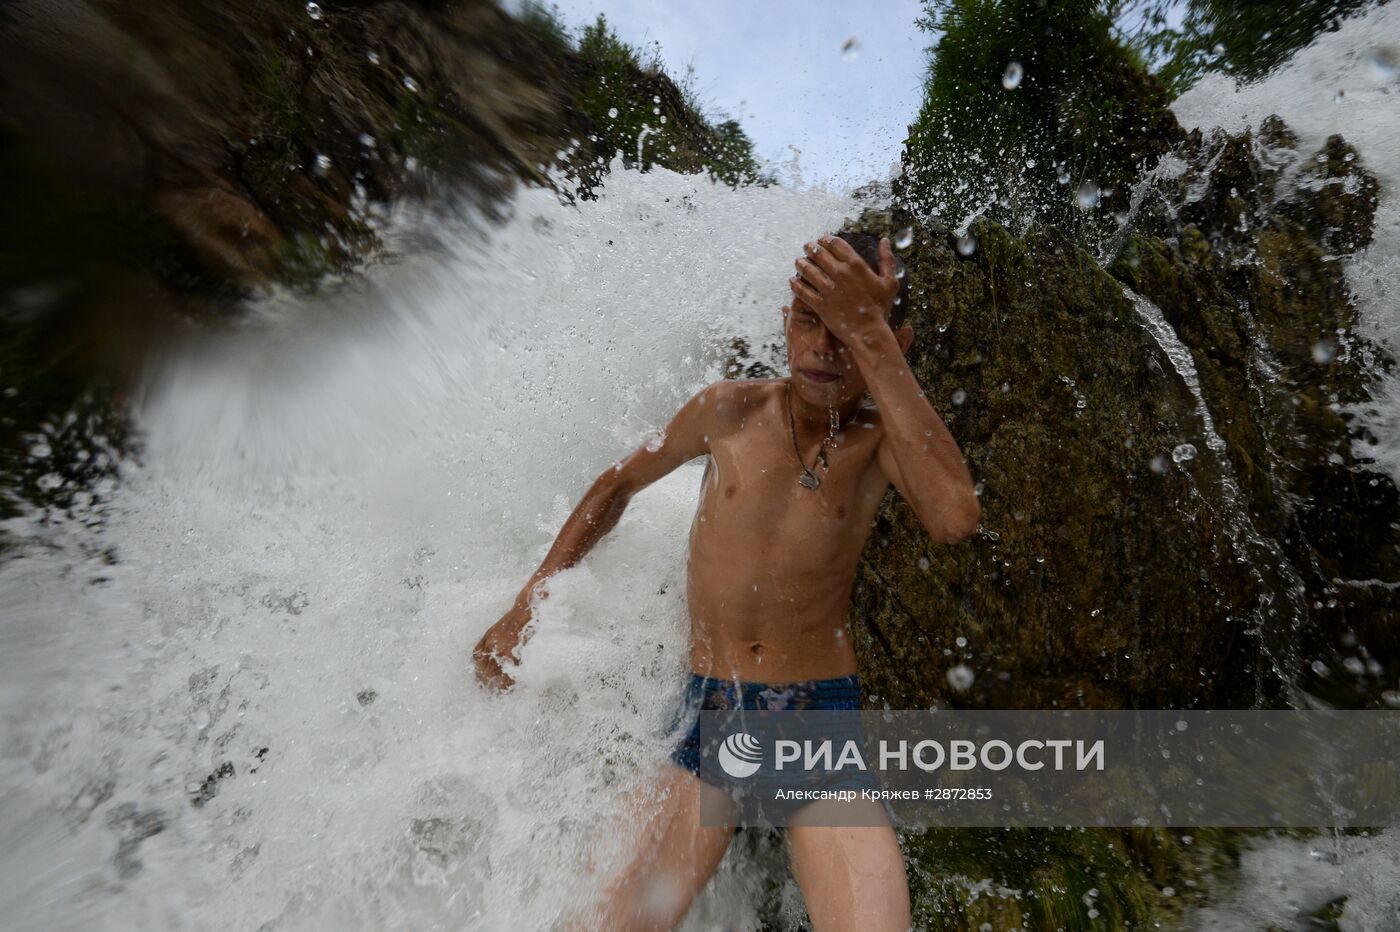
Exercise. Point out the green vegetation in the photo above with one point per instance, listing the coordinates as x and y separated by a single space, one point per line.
1243 39
1025 104
637 110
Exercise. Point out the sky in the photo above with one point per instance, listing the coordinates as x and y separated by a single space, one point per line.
778 67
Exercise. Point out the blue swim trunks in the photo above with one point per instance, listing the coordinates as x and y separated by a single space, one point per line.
704 693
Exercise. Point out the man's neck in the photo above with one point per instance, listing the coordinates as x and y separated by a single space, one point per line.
815 419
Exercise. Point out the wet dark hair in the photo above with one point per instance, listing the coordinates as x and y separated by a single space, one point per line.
868 247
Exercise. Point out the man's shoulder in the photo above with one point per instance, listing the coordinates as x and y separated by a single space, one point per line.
757 390
731 402
744 394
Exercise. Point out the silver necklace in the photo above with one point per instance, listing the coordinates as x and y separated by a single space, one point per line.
808 478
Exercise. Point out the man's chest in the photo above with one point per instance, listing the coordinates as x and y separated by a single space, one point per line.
753 486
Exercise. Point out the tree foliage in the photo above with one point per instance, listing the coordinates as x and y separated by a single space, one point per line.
640 112
1245 40
1025 104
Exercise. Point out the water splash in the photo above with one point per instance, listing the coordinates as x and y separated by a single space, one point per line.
241 697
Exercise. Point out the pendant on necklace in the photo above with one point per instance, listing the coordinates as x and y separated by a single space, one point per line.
809 478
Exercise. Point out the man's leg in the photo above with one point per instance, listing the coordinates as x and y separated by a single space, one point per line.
674 857
852 877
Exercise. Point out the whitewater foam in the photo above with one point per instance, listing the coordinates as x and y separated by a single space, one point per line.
244 700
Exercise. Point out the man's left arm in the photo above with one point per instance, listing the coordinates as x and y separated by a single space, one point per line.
917 452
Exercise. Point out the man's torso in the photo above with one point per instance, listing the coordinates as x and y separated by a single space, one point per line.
771 562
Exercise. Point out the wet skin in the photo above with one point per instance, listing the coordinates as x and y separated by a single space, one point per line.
771 563
770 570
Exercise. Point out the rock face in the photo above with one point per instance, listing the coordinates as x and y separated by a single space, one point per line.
1173 513
1245 262
1104 568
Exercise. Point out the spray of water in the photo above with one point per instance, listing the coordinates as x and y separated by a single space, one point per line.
236 687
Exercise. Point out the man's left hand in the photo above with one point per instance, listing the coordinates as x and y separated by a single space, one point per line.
836 283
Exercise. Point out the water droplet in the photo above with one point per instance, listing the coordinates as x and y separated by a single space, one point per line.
323 164
656 111
654 440
612 112
904 238
410 84
313 10
1011 77
967 245
1323 352
924 563
960 641
1354 666
959 396
1320 668
373 57
961 677
1385 64
1157 464
1087 196
1030 163
367 140
1183 453
850 49
1339 96
1062 176
1219 49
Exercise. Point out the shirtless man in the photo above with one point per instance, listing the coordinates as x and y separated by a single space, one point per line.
797 468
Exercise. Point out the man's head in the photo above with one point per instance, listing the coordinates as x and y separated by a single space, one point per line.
813 350
868 248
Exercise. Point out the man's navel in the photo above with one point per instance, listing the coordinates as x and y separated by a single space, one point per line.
729 492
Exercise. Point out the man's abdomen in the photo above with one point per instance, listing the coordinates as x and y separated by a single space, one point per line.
755 622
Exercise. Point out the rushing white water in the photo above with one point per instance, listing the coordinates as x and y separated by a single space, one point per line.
331 508
1338 84
1341 83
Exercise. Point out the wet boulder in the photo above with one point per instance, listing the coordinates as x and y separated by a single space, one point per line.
1175 511
1110 569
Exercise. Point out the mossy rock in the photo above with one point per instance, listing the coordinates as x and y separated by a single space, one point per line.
1242 252
1106 574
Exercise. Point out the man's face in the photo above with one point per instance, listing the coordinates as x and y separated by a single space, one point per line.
823 369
